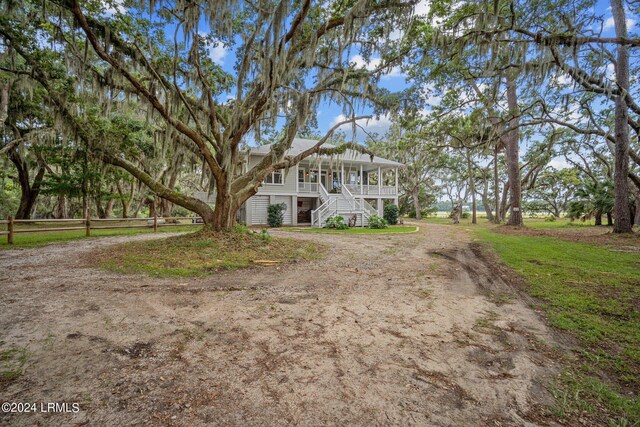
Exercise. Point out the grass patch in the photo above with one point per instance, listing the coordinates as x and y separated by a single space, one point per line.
12 363
35 239
592 292
360 230
557 224
205 252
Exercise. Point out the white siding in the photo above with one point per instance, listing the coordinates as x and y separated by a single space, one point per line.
287 214
259 212
289 180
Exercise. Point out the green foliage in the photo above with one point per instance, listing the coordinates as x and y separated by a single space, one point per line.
391 213
241 229
265 236
425 213
375 222
336 222
592 198
550 218
9 197
275 214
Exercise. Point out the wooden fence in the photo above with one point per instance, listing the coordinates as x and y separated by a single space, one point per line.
89 224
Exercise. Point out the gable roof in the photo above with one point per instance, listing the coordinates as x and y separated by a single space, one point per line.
299 145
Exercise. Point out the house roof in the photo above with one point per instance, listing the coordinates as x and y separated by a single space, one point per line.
352 156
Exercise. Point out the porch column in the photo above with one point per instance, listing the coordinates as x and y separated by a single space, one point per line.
294 208
342 173
379 182
379 205
396 193
361 181
319 174
298 178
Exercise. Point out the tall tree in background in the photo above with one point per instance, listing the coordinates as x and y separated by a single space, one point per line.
415 143
623 221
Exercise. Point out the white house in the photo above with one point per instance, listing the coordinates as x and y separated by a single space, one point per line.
350 184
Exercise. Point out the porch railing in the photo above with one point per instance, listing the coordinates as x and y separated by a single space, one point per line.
365 190
307 187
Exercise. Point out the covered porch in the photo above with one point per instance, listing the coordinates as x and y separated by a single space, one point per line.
358 178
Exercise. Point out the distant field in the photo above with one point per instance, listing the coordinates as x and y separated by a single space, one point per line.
443 218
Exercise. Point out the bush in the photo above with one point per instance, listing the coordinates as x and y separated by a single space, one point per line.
466 215
265 236
241 229
276 214
391 214
336 222
550 218
376 222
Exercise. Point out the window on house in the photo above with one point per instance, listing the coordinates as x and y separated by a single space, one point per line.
274 177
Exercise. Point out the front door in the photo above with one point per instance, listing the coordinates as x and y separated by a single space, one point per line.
313 177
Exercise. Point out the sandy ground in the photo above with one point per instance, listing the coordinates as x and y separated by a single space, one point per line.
409 329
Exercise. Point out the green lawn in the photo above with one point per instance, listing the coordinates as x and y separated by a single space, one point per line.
359 230
559 223
35 239
592 292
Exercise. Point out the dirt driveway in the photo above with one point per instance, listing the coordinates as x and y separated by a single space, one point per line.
409 329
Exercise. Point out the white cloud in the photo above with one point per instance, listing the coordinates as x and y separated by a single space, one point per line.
359 62
217 52
375 125
611 72
563 80
559 163
610 23
422 8
113 7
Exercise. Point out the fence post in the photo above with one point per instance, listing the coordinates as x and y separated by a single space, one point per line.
87 224
155 222
10 229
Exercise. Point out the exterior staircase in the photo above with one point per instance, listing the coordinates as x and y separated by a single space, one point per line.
343 204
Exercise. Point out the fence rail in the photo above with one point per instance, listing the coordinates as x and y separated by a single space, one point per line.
87 224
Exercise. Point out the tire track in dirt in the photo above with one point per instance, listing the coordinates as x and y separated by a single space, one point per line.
387 330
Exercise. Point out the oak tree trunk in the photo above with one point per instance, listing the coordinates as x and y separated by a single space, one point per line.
472 189
415 193
512 154
28 190
496 184
486 203
637 215
61 207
